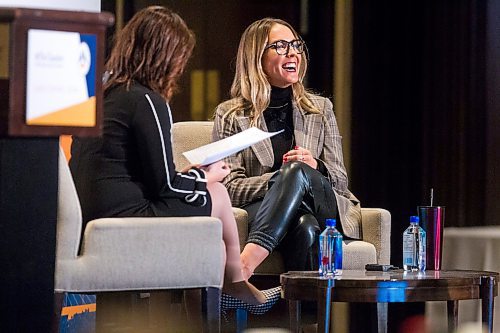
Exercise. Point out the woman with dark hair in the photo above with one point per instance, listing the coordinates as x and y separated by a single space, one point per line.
289 184
129 170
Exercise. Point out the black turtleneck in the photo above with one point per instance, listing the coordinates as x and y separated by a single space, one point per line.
279 116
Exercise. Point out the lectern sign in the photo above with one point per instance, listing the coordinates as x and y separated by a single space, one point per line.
60 83
51 63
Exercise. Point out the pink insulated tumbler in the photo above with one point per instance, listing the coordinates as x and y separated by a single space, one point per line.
432 221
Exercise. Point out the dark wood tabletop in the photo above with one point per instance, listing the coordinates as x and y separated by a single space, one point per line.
386 287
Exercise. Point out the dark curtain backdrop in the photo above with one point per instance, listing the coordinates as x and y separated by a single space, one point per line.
493 115
420 109
426 113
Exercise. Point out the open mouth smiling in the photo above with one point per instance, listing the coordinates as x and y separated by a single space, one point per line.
290 67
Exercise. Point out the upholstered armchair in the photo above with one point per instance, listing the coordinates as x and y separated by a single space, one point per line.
375 222
136 255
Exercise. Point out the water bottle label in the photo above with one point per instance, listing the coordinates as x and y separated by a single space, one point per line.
330 253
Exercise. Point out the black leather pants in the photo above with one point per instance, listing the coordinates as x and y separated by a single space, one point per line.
292 214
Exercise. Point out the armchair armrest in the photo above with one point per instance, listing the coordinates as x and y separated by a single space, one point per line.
376 228
241 217
188 252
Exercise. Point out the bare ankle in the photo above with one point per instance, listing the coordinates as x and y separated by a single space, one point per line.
247 272
251 257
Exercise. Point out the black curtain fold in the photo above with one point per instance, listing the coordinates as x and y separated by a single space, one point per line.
420 111
425 105
453 145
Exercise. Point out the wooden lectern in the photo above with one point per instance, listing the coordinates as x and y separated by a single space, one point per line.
51 63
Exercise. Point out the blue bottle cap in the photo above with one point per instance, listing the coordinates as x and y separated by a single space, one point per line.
331 222
414 219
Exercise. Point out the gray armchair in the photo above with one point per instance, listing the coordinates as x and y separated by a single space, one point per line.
375 223
137 254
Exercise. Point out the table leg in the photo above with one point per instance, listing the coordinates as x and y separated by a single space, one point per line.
241 320
324 307
487 301
452 315
211 309
294 310
382 317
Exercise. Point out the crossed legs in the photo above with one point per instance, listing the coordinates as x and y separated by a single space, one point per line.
296 205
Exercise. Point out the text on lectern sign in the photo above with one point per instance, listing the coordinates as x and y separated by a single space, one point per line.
60 82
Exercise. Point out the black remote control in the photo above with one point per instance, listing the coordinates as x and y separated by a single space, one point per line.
379 267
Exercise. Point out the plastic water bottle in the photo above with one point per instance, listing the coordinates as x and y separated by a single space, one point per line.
414 246
330 250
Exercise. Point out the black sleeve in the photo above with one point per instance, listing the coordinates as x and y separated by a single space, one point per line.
151 127
321 167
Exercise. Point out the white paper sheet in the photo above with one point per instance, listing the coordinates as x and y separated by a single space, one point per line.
218 150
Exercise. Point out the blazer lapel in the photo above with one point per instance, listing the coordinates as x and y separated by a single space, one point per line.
308 130
298 126
263 150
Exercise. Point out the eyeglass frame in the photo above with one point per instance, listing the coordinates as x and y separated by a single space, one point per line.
288 44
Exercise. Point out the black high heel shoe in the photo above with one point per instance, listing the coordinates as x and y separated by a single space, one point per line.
272 296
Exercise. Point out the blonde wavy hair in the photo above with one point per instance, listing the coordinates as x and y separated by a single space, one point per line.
250 86
152 49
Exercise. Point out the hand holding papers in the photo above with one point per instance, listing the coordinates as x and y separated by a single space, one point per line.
218 150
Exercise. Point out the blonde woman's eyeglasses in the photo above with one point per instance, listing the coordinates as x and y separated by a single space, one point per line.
282 47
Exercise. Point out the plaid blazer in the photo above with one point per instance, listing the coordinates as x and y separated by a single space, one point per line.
251 168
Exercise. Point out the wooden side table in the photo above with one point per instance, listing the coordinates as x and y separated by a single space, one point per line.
388 287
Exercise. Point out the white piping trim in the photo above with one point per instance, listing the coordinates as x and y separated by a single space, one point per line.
199 178
158 125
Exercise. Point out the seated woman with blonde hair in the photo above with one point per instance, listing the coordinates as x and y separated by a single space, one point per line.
291 183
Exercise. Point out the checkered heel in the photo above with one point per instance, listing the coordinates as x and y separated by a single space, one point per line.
272 296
